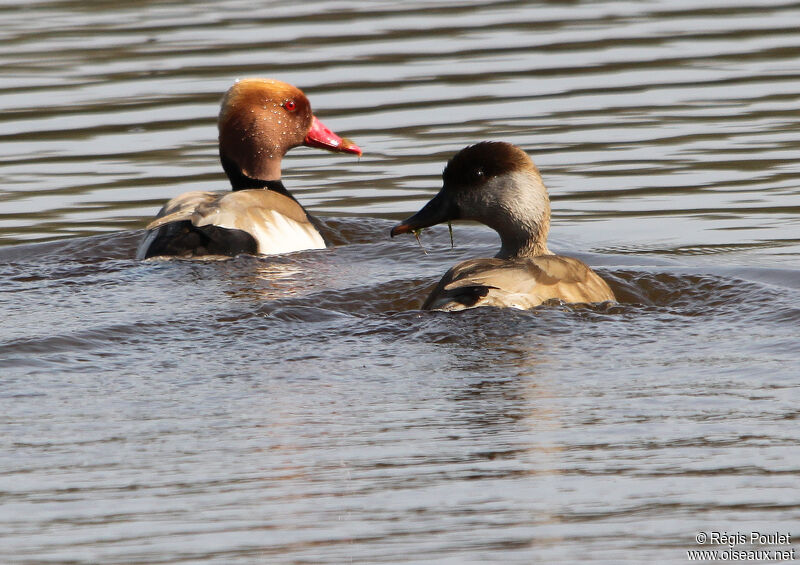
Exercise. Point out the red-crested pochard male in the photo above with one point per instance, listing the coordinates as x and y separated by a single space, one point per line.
260 120
497 184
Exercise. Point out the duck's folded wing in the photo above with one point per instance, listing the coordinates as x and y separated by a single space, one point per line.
184 207
228 223
172 234
522 283
278 223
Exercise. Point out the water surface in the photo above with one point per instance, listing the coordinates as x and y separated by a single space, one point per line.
300 408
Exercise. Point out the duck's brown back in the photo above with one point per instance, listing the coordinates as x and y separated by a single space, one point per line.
517 283
203 223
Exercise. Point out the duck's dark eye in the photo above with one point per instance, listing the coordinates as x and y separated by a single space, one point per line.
479 174
290 105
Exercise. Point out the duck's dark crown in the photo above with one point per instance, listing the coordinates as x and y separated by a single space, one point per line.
477 163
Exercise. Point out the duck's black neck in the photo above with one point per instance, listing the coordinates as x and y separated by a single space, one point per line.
240 181
248 183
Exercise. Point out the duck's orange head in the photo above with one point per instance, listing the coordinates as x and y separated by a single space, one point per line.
261 119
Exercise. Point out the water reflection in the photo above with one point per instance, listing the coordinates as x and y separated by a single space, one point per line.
271 279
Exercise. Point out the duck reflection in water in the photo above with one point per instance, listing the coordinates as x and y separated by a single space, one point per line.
274 278
497 184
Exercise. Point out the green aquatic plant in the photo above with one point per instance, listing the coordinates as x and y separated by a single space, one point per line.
450 228
416 233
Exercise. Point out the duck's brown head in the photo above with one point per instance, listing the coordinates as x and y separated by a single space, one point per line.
260 120
497 184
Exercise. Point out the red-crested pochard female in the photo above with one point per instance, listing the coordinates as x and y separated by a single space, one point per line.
497 184
260 120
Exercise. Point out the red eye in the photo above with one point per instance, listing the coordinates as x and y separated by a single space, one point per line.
290 105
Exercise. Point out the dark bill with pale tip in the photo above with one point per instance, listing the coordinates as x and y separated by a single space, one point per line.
439 210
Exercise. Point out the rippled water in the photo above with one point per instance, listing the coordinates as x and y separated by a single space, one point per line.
300 409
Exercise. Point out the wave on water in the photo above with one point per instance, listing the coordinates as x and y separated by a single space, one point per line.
88 294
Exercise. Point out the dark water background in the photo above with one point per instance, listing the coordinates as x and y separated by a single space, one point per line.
299 409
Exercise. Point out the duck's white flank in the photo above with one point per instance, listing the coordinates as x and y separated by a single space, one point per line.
276 222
